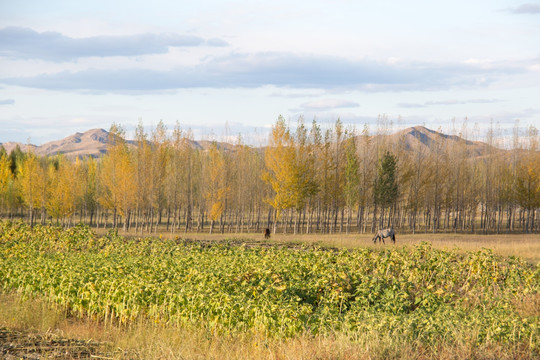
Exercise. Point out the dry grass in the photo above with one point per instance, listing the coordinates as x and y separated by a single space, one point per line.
148 341
528 305
526 246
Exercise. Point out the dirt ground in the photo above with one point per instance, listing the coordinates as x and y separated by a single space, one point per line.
16 344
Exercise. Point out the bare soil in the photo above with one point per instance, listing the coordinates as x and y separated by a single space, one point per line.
15 344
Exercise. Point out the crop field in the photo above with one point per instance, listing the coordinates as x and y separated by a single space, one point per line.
376 300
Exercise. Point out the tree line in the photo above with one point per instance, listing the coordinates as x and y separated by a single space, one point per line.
307 179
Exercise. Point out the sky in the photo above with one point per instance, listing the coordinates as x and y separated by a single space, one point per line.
223 68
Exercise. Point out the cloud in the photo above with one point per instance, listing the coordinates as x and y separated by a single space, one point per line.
411 105
462 102
275 69
216 42
7 101
282 69
448 102
25 43
295 94
328 104
525 9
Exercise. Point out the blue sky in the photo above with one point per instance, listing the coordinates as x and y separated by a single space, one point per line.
226 67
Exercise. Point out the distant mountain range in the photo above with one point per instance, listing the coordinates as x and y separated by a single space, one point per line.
420 138
94 143
90 143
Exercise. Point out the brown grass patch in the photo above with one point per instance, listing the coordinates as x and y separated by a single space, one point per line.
528 305
149 341
526 246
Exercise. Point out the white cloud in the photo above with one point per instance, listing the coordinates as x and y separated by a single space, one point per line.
25 43
283 70
525 9
410 105
328 104
461 102
448 102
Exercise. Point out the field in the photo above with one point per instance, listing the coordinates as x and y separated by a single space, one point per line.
526 246
291 297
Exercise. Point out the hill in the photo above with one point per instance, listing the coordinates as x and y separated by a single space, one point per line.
420 138
90 143
94 143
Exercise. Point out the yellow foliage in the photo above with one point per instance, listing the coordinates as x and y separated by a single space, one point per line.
118 185
216 190
33 182
290 171
64 188
5 175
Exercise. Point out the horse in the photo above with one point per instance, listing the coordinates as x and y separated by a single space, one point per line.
384 233
267 233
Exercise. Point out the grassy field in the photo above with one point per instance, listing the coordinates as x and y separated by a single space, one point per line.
37 319
526 246
293 297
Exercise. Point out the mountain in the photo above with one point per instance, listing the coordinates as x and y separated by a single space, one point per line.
11 145
94 143
420 138
90 143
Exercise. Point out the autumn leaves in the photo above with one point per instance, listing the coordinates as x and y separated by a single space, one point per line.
323 178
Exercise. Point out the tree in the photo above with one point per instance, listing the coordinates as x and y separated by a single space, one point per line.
183 179
304 171
63 189
89 179
245 200
216 186
32 179
352 178
118 190
366 176
6 179
176 172
160 160
338 161
385 186
528 181
279 168
289 169
16 157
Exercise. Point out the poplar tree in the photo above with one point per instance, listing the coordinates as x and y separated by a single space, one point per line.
32 178
385 186
366 175
160 159
118 184
352 179
528 181
289 168
216 186
304 183
63 189
6 179
279 168
89 185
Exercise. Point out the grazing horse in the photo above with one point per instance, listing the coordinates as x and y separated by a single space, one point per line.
267 233
381 234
